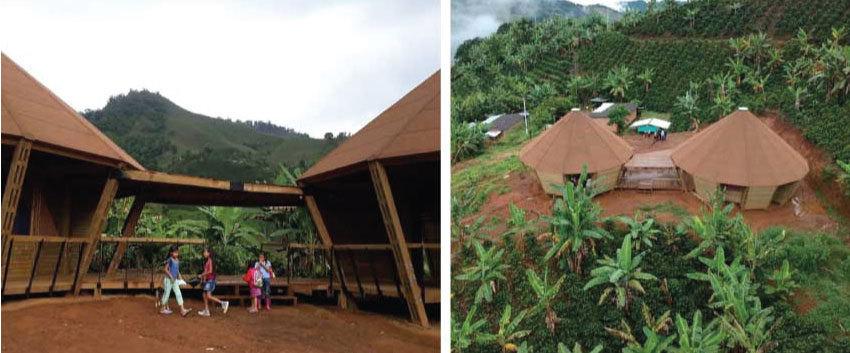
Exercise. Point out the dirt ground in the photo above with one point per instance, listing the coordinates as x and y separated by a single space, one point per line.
805 212
132 324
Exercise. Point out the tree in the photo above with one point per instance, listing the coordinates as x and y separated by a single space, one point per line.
799 93
654 343
618 82
622 275
758 81
617 116
646 77
695 338
574 223
642 231
485 272
687 104
467 141
739 68
229 226
783 281
509 331
758 46
545 293
722 104
691 15
466 333
715 228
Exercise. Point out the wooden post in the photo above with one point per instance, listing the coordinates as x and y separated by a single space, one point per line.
398 243
129 230
93 232
325 237
14 187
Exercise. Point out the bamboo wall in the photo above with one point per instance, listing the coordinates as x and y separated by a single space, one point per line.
785 192
549 180
759 197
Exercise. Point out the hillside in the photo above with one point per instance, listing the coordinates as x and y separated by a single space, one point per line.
163 136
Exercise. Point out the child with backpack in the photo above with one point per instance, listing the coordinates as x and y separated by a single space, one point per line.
255 281
265 268
209 284
172 279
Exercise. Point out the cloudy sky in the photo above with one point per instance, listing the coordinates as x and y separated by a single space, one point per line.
315 66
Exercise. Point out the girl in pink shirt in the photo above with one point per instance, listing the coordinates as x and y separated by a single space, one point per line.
251 277
208 278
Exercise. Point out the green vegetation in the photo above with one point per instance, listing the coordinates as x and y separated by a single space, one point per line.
163 136
235 234
787 293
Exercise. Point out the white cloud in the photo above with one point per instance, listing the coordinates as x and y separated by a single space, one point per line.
313 66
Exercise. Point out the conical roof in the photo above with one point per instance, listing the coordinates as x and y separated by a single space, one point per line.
740 150
573 141
410 127
31 111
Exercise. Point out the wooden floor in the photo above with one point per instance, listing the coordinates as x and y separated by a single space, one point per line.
139 279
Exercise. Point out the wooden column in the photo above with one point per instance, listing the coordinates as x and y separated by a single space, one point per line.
129 230
14 186
94 229
325 237
398 243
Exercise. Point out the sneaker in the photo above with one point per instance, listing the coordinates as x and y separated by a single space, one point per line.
165 311
204 313
185 312
224 305
253 310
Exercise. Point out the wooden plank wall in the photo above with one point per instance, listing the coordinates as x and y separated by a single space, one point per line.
759 197
548 179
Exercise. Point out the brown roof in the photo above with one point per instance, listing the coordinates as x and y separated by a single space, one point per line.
31 111
740 150
410 127
573 141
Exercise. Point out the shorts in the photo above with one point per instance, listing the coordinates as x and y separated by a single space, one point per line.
255 292
209 285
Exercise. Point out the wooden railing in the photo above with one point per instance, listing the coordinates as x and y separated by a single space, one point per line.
351 250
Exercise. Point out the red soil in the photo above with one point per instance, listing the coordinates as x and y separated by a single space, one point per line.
808 213
133 325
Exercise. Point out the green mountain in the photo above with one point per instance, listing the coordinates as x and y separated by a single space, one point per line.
163 136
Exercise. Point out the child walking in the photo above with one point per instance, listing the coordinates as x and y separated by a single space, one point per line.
172 275
252 277
265 268
209 284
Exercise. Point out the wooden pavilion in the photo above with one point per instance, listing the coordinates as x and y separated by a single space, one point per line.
60 176
576 140
375 202
751 163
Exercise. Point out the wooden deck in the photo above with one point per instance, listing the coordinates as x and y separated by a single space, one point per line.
139 279
651 171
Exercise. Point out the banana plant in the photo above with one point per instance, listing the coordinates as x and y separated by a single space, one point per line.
509 331
517 224
654 343
642 231
562 348
575 223
485 272
695 338
656 324
715 228
623 332
783 281
622 275
465 334
546 294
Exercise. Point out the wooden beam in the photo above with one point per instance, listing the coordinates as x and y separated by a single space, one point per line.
325 238
46 239
93 232
401 253
128 230
14 187
200 182
142 240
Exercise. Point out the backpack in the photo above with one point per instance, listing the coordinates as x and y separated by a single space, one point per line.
258 279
